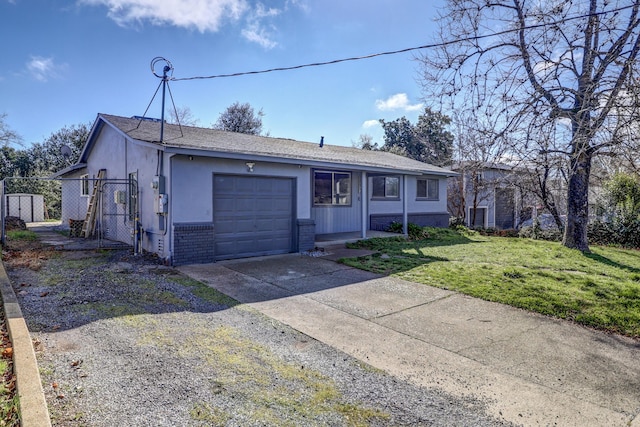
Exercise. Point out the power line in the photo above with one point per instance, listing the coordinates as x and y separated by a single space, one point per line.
409 49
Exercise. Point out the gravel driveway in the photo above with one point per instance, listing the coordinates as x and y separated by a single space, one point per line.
125 341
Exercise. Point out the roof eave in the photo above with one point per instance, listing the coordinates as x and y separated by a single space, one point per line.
301 161
73 168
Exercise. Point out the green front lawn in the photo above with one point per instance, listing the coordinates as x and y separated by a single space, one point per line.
600 289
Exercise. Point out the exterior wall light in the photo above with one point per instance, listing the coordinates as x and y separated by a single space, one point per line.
250 166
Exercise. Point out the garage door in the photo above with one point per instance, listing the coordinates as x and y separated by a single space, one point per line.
253 216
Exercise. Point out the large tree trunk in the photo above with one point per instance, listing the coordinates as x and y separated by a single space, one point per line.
575 232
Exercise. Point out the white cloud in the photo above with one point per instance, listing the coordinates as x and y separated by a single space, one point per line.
257 31
399 101
43 69
300 4
370 123
203 15
257 34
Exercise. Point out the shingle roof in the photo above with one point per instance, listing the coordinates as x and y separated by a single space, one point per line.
229 143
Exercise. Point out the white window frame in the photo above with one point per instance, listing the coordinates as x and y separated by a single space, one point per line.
426 195
336 193
386 187
485 219
132 195
85 190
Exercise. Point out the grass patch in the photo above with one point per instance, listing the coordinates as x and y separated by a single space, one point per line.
359 417
600 289
204 292
24 235
275 391
102 310
212 416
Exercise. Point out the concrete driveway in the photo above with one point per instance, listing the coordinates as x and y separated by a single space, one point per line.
529 369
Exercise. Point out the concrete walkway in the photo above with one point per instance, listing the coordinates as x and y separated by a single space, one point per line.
527 368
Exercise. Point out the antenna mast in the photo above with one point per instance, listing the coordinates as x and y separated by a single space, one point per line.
165 80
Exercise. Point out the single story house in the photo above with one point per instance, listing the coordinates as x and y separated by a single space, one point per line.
198 195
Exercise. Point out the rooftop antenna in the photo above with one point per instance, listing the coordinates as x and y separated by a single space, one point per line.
165 80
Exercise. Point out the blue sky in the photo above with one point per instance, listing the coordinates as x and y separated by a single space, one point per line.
64 62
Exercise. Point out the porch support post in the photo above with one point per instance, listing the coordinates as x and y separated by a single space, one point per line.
405 206
364 204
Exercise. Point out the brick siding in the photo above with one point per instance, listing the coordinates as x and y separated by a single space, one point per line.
306 234
380 222
193 243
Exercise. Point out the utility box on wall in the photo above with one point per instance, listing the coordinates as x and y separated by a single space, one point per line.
157 184
119 197
161 204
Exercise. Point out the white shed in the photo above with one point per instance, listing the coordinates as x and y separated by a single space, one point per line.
27 207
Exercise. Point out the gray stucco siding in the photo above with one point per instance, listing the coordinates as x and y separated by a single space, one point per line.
121 156
74 204
192 184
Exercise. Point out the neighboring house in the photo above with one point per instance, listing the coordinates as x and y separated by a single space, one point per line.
203 195
489 195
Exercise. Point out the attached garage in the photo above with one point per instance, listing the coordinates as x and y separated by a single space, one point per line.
253 216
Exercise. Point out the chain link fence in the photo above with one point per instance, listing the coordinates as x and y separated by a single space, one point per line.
118 211
102 209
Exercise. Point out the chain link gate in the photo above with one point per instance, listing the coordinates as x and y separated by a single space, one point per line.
65 203
118 216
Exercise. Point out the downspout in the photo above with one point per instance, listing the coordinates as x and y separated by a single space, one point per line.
364 199
405 204
168 216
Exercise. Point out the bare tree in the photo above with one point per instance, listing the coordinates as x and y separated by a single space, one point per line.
7 135
476 149
533 63
365 142
182 116
240 118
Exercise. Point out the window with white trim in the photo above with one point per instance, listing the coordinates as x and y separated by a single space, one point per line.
84 185
385 187
331 188
133 196
428 189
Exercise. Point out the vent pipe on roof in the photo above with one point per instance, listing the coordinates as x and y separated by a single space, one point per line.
321 141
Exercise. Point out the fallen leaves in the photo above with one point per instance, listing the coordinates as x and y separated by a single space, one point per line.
8 403
32 259
7 352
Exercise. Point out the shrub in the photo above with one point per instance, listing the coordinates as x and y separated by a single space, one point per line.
600 233
538 234
618 233
456 221
415 231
